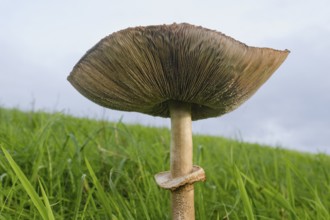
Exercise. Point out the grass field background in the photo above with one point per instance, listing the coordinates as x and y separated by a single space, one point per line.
54 166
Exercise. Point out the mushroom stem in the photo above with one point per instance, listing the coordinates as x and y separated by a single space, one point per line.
181 160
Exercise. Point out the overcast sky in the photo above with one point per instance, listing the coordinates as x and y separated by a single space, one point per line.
40 42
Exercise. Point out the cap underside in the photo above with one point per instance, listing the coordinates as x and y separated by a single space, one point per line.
141 69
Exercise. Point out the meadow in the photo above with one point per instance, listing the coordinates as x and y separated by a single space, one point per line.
55 166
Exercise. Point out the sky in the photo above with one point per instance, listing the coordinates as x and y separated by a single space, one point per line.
41 41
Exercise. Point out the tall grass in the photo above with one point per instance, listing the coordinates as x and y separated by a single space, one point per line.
87 169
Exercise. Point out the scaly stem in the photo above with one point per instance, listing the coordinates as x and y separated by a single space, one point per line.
181 160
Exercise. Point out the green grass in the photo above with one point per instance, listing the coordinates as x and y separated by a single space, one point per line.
54 166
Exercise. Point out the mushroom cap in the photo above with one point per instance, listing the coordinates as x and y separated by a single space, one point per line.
142 69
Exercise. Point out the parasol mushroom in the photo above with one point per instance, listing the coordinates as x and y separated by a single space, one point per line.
180 71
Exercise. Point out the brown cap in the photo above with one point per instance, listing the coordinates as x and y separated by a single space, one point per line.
141 69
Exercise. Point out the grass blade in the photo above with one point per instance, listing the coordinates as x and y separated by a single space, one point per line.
245 198
28 187
47 204
99 190
79 196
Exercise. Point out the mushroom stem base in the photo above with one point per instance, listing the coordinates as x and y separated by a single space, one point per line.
182 207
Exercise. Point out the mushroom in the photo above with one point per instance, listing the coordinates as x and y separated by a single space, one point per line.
180 71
